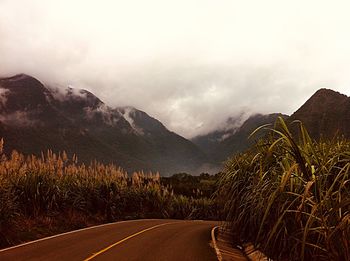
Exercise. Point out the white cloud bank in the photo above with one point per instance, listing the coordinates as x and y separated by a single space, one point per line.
189 63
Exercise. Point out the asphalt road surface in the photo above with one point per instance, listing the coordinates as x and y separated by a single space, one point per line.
129 240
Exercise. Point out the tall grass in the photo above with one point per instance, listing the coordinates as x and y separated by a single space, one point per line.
290 197
55 193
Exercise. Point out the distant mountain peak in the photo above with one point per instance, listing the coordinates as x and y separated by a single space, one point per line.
23 93
324 91
324 100
326 96
21 81
35 117
223 142
325 114
19 76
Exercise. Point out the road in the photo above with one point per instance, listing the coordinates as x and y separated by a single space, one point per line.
127 240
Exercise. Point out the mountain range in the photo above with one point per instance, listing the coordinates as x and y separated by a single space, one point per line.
35 117
221 144
325 115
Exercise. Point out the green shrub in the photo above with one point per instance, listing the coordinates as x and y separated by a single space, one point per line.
291 199
61 192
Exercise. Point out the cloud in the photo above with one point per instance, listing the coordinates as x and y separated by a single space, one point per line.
3 96
18 118
191 64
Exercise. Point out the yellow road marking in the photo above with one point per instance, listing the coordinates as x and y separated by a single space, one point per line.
124 239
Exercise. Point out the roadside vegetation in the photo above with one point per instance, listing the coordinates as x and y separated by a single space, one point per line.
45 195
187 185
290 196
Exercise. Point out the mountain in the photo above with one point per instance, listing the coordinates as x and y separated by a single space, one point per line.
35 118
221 144
325 114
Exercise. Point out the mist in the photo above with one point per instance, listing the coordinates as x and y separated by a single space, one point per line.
190 64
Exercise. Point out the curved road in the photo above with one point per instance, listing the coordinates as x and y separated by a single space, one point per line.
127 240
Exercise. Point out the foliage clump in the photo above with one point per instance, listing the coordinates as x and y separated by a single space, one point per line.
289 197
52 193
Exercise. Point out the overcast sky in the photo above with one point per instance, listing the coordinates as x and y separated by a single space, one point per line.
190 64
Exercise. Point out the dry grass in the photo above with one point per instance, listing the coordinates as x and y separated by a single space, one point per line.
49 194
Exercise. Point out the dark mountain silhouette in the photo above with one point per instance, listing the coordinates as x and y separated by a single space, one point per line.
221 144
325 114
34 118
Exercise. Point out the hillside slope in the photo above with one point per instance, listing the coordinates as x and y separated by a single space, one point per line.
221 144
325 114
34 118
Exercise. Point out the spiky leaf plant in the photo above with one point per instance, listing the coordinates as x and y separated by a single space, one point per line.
291 197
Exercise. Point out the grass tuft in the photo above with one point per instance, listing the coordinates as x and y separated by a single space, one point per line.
290 197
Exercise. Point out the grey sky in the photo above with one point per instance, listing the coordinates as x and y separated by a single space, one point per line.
191 64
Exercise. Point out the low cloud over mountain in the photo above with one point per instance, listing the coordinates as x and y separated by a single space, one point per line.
34 118
192 64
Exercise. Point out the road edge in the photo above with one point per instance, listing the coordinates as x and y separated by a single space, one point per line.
215 246
70 232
